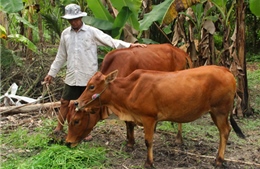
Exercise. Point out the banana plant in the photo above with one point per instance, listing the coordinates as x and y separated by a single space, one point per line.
127 13
254 6
5 38
165 12
11 7
226 14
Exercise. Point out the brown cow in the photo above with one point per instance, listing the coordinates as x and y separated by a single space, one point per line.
146 97
163 57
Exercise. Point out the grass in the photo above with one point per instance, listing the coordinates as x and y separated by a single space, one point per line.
58 156
24 150
253 78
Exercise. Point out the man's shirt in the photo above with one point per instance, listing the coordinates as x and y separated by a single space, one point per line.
79 51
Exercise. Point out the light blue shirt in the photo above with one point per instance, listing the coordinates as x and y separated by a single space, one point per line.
79 51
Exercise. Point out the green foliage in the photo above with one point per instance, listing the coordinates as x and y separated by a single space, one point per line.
128 12
22 39
120 21
58 156
17 18
21 138
253 58
53 21
102 51
155 15
134 7
254 7
224 10
11 6
8 59
98 23
19 39
32 150
218 40
253 78
192 129
99 10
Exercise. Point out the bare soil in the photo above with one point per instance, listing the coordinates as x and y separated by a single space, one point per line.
196 152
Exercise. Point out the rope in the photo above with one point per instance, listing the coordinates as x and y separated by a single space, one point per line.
51 98
94 97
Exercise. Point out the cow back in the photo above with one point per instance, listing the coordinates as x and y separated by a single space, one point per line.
162 57
157 93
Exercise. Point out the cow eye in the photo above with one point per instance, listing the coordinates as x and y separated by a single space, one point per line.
76 122
91 87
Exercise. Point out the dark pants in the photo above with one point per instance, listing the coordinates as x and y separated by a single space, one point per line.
69 93
72 92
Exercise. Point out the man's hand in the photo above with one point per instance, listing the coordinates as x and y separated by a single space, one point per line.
48 79
138 45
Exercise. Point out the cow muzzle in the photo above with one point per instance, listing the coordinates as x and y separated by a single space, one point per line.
71 145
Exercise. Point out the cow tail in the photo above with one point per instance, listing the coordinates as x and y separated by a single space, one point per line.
236 127
189 63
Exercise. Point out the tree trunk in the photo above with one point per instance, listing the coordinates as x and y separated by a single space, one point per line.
240 41
29 32
225 61
255 28
40 28
212 58
10 110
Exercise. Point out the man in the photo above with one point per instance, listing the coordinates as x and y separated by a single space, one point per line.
78 48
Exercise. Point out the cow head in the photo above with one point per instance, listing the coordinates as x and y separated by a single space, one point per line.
81 122
97 85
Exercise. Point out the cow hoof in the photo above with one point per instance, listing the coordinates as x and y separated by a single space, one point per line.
88 138
148 166
178 142
129 148
220 164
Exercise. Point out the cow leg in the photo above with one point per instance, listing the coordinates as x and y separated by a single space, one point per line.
62 115
130 134
179 135
221 121
149 125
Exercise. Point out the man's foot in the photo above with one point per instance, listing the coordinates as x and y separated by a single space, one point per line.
88 138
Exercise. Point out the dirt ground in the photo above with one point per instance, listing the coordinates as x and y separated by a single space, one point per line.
195 153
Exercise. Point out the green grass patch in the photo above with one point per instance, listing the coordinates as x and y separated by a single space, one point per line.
24 149
253 78
206 130
21 138
58 156
193 129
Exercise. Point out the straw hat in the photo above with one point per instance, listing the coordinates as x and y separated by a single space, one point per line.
72 11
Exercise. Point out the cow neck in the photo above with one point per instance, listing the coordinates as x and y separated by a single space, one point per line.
93 99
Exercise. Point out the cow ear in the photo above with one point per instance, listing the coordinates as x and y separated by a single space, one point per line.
111 76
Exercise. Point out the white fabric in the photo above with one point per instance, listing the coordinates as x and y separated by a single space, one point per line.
73 11
11 99
79 50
